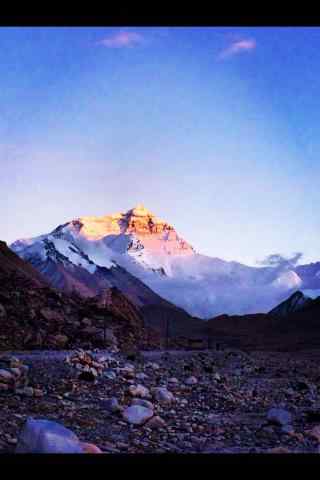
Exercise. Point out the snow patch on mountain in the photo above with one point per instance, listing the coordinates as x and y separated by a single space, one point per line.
288 279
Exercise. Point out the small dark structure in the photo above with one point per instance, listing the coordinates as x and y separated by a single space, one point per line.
197 343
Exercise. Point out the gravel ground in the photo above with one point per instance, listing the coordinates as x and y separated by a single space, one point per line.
225 410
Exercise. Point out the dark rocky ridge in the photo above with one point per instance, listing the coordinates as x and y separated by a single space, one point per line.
298 330
34 315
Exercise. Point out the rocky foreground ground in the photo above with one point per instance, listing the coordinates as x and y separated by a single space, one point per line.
204 402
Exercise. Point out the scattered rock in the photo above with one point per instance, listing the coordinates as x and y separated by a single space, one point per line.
127 372
279 416
143 403
139 391
162 395
156 422
13 374
25 392
87 322
141 376
6 376
90 448
52 315
287 429
191 381
85 363
3 312
315 433
279 450
173 381
112 405
213 419
110 374
57 341
137 415
153 365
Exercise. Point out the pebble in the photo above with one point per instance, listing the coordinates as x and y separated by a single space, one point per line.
139 391
6 376
142 376
111 405
156 422
315 433
173 380
279 416
279 450
90 448
110 374
163 395
191 381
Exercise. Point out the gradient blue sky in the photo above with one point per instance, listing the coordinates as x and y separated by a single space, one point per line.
217 130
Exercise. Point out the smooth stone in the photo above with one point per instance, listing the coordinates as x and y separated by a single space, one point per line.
139 391
156 422
6 376
141 376
143 403
279 416
46 436
90 448
315 433
191 381
163 395
112 405
137 415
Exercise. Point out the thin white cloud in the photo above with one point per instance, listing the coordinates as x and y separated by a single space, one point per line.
239 46
122 40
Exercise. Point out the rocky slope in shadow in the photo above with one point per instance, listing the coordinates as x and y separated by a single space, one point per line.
36 316
293 325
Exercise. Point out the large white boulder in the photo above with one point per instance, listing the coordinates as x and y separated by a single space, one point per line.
46 436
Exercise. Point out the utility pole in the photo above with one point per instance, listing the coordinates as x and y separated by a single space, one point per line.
167 330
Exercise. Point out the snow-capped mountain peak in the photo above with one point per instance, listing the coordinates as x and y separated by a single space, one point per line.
95 250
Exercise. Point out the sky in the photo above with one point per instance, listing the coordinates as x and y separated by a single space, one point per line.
215 130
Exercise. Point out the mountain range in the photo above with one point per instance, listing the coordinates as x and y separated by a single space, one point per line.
292 325
35 315
147 260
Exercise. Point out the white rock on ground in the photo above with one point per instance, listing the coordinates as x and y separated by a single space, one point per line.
141 376
139 391
191 381
137 415
173 381
153 365
162 395
143 403
46 436
279 416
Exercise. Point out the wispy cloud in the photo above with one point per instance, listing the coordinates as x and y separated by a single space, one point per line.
239 46
122 40
279 261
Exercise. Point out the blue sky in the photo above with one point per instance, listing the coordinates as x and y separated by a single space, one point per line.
214 129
